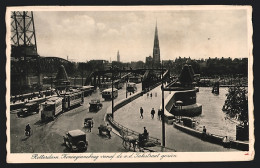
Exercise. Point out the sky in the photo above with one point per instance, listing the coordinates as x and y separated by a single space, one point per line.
87 35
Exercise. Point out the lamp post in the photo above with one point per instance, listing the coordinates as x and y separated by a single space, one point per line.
163 121
112 79
126 81
112 68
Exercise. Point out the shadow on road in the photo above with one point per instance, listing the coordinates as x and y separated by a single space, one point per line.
27 137
41 123
103 136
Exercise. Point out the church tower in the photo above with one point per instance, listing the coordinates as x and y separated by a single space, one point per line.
118 56
156 48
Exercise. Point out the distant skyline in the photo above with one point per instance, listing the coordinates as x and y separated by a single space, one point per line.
87 35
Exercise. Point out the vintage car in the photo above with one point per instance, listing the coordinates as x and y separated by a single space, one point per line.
76 141
29 109
95 105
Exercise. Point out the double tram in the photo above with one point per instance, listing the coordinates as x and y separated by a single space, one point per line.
57 104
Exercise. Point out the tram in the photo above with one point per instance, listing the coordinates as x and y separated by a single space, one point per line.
107 94
131 87
87 90
57 104
71 98
51 108
106 85
135 79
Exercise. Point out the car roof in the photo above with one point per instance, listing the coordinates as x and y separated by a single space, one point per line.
131 83
109 90
77 132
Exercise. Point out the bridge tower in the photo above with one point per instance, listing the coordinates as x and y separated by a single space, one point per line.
24 57
23 37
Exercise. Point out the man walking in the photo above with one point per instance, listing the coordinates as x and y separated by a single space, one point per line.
152 113
141 113
159 114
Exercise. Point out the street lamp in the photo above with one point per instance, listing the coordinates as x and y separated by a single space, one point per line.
163 121
112 79
126 80
112 68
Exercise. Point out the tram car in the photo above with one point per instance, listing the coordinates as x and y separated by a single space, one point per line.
51 108
118 84
131 87
135 79
105 85
87 90
57 104
72 98
107 94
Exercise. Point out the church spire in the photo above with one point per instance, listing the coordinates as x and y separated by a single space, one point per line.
118 56
156 47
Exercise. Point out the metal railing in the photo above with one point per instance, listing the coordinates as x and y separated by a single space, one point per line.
127 130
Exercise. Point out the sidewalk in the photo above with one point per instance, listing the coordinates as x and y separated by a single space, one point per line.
129 116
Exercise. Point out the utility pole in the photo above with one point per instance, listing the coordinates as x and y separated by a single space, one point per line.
163 121
125 88
112 79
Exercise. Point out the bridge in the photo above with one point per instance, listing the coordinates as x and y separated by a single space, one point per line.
148 76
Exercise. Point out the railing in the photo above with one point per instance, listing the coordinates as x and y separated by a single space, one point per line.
127 130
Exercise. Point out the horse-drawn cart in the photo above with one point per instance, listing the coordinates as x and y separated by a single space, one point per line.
104 129
133 140
88 123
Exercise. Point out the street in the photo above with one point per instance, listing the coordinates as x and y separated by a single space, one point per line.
48 137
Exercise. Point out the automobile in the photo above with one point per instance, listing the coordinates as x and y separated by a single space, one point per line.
95 105
76 140
29 109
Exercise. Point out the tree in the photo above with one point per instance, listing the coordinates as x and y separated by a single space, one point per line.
236 104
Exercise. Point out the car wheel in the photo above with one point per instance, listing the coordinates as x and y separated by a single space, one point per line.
81 145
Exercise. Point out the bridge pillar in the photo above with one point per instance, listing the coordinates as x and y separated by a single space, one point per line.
103 78
99 80
95 81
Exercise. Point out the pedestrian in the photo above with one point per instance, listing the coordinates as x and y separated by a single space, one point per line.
151 95
155 94
108 132
141 112
152 113
145 132
89 125
28 129
147 94
204 131
159 114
